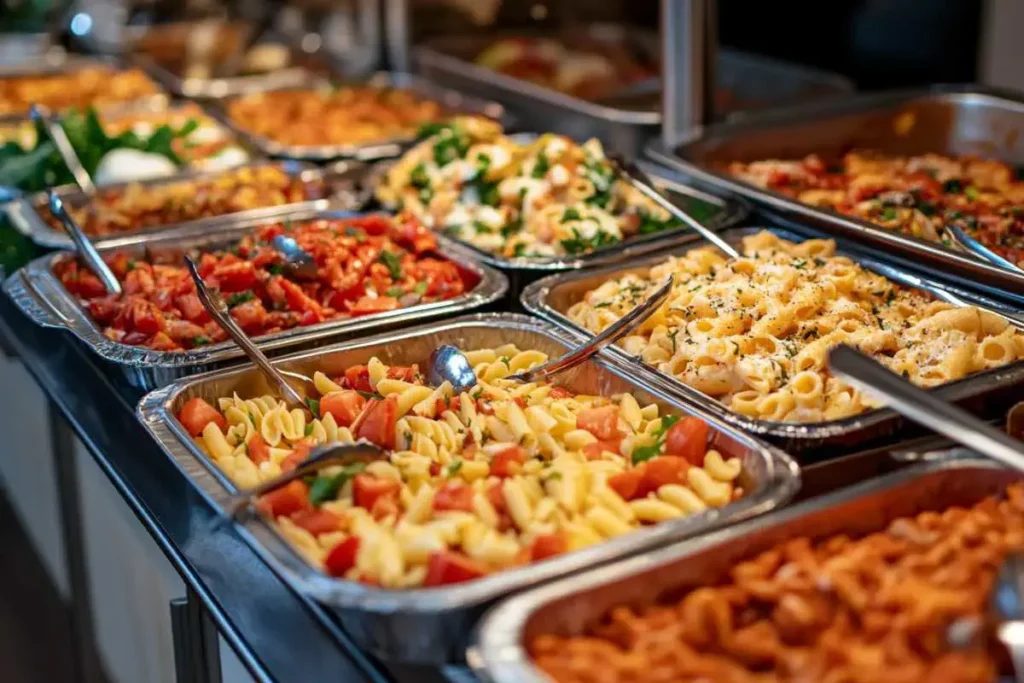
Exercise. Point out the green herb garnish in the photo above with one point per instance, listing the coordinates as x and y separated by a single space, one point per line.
393 262
200 340
645 453
314 406
324 489
240 298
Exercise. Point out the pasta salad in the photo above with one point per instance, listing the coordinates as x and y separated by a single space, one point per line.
755 332
550 197
496 477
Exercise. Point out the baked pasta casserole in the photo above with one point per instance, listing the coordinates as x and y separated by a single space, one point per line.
502 475
754 333
549 197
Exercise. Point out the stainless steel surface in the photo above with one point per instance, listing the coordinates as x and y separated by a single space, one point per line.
689 39
432 625
624 129
450 99
571 606
922 407
85 248
60 140
342 187
297 261
40 295
448 364
328 455
396 34
219 312
973 246
987 391
609 335
949 120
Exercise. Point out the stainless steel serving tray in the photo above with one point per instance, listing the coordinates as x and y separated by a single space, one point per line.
432 625
344 191
41 296
571 606
449 99
984 392
945 120
623 127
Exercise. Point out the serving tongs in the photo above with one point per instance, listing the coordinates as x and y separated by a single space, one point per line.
55 131
85 248
973 246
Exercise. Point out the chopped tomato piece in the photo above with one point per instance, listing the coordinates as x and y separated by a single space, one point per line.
345 406
385 506
192 308
250 316
449 567
627 483
285 501
496 498
234 277
358 377
161 341
259 451
342 556
664 469
593 451
688 438
317 521
197 413
139 280
506 463
548 545
376 424
404 373
366 489
560 392
368 306
297 299
299 453
311 317
145 317
602 422
454 495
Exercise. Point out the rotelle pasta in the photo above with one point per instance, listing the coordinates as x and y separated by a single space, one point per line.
474 483
877 608
755 333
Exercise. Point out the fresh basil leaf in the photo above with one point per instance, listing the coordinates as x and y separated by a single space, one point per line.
324 489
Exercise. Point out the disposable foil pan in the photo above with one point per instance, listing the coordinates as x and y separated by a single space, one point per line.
343 190
432 625
950 120
449 99
41 296
984 392
571 606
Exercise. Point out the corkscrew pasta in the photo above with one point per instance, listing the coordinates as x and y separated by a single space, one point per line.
549 197
755 333
496 477
879 608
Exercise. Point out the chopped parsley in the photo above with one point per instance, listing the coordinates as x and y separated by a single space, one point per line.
512 227
454 467
418 178
953 186
313 405
395 292
239 298
889 213
570 214
645 453
972 193
541 166
324 489
578 243
309 429
200 340
393 262
275 269
520 249
420 288
130 266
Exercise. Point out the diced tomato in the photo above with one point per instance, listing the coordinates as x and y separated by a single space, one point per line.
317 521
139 280
548 545
345 406
560 392
366 489
259 451
449 567
297 299
373 224
285 501
311 318
234 277
506 463
83 283
402 372
593 451
358 378
376 424
602 422
250 316
342 556
161 341
384 507
664 469
496 498
627 483
183 330
191 308
104 309
413 234
197 413
688 438
145 317
454 495
371 306
300 452
484 407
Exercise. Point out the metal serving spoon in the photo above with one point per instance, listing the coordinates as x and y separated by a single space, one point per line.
447 363
971 245
215 306
85 248
1007 603
922 407
60 140
642 182
320 457
297 261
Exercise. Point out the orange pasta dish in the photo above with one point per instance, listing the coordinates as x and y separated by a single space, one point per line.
877 608
916 195
93 86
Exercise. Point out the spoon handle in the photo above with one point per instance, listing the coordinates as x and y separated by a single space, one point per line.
219 313
610 334
67 151
640 180
924 408
977 248
85 247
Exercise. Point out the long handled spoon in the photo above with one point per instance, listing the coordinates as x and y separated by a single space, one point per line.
60 140
85 247
973 246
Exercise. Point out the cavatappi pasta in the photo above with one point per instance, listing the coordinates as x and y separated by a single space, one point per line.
547 198
755 333
505 474
877 608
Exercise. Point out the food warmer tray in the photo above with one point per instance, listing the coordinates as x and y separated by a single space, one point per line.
343 190
986 393
570 606
433 625
450 99
949 120
41 296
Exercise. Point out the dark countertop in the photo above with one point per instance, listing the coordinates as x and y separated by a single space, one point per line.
278 635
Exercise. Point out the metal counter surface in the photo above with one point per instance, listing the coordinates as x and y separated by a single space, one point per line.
278 635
